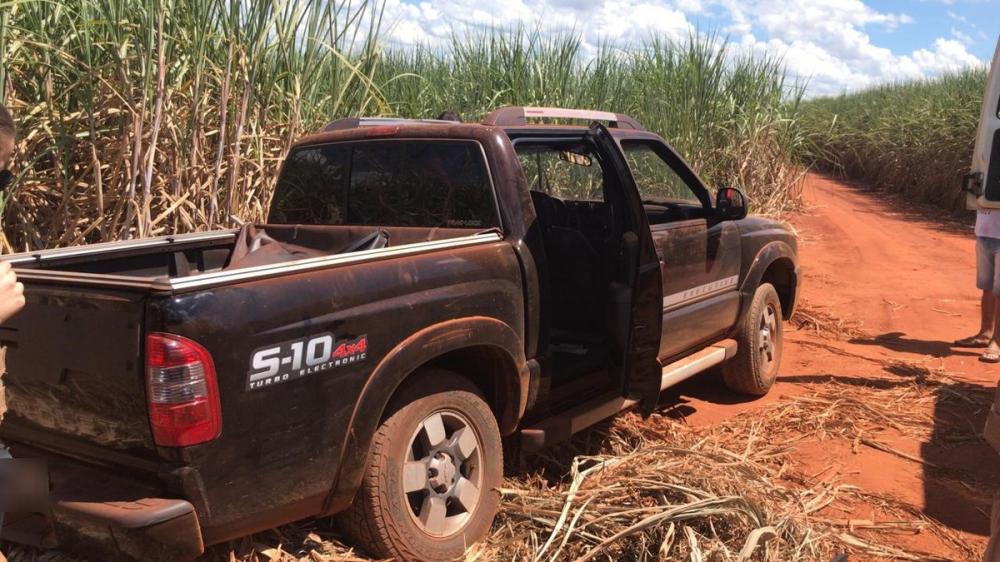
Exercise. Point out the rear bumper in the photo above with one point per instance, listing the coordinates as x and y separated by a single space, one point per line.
98 514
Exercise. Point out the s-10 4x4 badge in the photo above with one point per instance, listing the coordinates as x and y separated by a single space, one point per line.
299 358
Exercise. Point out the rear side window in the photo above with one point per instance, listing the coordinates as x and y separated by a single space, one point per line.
386 183
571 171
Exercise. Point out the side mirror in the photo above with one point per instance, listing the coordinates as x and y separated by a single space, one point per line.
730 204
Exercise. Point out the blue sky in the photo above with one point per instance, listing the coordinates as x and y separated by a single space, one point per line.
969 21
835 45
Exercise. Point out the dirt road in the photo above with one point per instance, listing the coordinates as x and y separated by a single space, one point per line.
898 288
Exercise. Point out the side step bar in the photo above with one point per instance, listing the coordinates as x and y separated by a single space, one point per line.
695 363
561 427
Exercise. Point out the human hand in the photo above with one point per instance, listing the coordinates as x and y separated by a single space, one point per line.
11 292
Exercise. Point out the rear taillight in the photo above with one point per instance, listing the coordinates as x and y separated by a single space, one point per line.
182 391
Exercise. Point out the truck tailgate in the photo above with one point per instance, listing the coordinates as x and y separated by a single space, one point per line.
74 381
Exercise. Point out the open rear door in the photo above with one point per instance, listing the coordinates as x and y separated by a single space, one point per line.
636 292
983 181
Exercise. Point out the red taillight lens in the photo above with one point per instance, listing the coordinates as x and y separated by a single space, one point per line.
182 391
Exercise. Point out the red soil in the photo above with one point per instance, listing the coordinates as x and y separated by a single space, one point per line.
910 283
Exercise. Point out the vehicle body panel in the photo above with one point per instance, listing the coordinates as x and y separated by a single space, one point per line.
65 379
766 244
282 444
699 261
985 172
700 268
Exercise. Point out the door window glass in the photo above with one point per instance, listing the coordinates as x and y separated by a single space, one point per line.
654 178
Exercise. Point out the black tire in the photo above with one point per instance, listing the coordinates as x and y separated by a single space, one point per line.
755 367
391 523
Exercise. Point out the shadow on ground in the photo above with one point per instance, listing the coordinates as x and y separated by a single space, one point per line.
963 472
897 341
960 471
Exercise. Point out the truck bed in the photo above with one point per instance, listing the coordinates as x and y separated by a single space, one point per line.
75 381
168 257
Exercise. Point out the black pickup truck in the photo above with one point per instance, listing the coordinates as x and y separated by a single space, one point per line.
421 292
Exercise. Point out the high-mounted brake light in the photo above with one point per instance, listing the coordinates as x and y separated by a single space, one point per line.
182 391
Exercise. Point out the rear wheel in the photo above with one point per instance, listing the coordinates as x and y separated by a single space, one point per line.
430 487
755 367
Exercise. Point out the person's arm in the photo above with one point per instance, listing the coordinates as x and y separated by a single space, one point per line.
11 293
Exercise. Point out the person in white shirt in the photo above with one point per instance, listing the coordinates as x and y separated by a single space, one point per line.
987 280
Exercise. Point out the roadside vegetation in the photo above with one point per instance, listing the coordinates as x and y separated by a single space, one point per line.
913 138
733 118
146 117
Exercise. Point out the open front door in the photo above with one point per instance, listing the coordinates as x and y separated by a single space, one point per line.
983 181
636 294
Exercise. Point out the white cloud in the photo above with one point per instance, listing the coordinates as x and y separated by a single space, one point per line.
960 35
826 42
617 21
947 55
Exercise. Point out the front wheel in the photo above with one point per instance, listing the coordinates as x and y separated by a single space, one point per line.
755 367
435 464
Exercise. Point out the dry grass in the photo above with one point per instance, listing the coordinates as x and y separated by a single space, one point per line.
636 490
657 489
660 490
819 321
